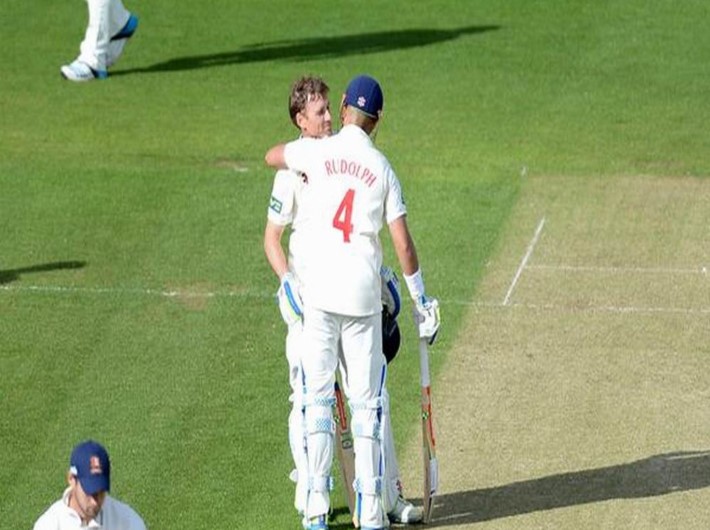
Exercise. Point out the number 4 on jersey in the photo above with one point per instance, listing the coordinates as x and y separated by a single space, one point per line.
342 220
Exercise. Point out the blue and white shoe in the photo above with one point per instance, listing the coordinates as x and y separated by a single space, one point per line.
120 39
128 30
79 71
317 523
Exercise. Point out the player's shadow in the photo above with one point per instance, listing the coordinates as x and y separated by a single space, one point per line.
657 475
11 275
315 48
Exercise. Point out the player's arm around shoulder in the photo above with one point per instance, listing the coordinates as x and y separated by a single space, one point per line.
294 155
275 157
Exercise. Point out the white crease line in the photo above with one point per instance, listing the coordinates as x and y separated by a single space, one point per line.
587 309
640 270
451 517
529 252
57 289
122 291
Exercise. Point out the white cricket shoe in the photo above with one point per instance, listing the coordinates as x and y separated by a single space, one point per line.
79 71
404 512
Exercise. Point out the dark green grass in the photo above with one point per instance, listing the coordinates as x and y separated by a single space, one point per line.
154 180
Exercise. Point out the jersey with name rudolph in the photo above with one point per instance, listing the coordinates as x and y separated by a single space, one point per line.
351 191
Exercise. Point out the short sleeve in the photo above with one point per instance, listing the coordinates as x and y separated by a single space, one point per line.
282 201
394 200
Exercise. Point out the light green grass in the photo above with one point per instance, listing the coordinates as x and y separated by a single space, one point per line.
154 181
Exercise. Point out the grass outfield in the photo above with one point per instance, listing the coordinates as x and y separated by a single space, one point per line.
135 301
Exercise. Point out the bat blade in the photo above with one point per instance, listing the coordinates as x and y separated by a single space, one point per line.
344 448
431 465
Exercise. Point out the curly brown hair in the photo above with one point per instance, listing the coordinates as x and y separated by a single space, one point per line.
304 90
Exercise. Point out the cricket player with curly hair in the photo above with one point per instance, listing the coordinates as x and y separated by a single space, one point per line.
350 191
310 112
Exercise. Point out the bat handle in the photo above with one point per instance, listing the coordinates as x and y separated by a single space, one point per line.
424 363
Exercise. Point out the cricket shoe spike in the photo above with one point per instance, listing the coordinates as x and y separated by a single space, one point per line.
317 523
79 71
404 512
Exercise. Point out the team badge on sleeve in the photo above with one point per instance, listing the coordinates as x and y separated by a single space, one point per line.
275 204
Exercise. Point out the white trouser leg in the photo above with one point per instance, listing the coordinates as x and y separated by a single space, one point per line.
106 18
319 360
362 349
296 418
118 16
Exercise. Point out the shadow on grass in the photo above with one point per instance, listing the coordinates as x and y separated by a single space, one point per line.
7 276
657 475
314 48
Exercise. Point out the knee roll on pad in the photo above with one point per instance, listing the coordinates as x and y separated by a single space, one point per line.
361 426
320 421
319 415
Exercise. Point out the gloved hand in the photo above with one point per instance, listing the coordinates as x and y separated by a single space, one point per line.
391 299
289 298
427 318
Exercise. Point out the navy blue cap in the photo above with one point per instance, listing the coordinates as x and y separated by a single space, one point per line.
364 93
91 466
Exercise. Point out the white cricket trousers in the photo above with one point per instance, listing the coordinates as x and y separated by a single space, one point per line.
296 434
106 19
361 341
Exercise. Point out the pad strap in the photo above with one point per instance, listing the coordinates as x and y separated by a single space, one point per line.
371 404
318 401
368 486
321 484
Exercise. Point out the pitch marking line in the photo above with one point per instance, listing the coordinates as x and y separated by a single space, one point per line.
620 270
55 289
66 290
586 309
524 262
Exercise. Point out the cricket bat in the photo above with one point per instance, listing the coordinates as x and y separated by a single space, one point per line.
431 466
344 448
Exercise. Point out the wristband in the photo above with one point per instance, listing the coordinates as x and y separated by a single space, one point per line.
415 284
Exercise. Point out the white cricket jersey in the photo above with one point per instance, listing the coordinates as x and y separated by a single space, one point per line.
283 210
351 191
114 515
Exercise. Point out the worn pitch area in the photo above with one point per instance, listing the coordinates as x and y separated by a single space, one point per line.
578 392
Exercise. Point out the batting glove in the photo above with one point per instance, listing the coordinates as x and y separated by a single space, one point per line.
427 318
391 299
289 298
